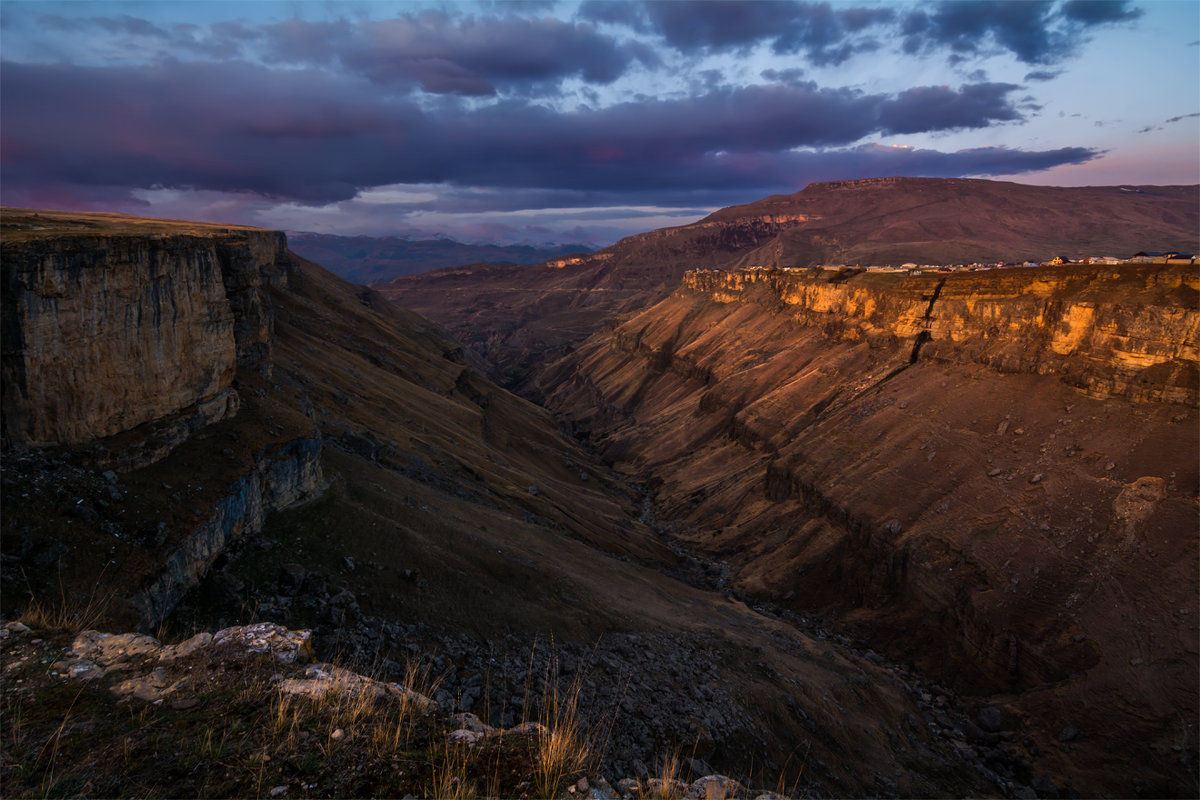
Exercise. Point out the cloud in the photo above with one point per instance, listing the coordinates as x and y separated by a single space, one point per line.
1099 12
823 34
1035 31
1042 75
1179 118
456 54
316 137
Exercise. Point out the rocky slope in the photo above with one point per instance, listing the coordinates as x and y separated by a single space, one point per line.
375 488
520 317
993 475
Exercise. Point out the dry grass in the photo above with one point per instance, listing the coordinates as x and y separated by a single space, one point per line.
563 749
69 613
450 781
666 785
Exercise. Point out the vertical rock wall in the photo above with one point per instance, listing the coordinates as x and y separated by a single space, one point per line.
281 477
102 334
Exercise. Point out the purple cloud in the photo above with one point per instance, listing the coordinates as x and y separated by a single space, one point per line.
454 54
316 137
823 34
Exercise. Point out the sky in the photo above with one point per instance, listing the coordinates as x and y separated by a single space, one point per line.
574 122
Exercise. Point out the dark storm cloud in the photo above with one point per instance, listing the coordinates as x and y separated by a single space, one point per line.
931 108
1100 12
823 34
311 136
454 54
1036 32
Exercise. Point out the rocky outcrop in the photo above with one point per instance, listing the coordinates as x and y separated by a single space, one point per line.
104 332
281 478
1131 331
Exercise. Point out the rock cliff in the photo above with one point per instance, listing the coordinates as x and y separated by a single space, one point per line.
1131 331
107 329
521 318
124 341
964 469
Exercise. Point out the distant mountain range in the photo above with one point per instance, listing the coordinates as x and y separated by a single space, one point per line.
367 259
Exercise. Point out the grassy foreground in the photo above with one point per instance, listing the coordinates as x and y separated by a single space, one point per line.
208 725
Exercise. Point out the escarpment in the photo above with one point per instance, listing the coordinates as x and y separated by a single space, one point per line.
1131 332
125 342
966 470
107 330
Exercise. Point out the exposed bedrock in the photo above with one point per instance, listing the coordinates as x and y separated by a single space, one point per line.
281 477
104 333
991 475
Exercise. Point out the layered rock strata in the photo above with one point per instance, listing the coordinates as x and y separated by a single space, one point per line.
1128 331
104 332
993 475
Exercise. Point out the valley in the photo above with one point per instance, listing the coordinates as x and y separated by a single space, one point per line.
839 533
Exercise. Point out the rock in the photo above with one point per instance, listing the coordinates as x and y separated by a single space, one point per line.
109 476
16 627
470 722
1044 786
343 598
1068 734
106 649
628 787
1021 792
348 563
278 791
286 646
715 787
185 648
291 577
994 472
1037 478
991 719
670 787
464 737
526 729
582 785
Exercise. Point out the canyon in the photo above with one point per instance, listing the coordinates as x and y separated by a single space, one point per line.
966 471
845 532
520 317
372 486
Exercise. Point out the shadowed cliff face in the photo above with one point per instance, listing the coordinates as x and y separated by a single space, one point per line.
993 475
107 329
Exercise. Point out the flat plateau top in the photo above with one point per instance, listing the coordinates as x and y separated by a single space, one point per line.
24 224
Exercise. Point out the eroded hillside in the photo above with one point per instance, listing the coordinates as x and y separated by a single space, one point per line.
366 482
991 474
